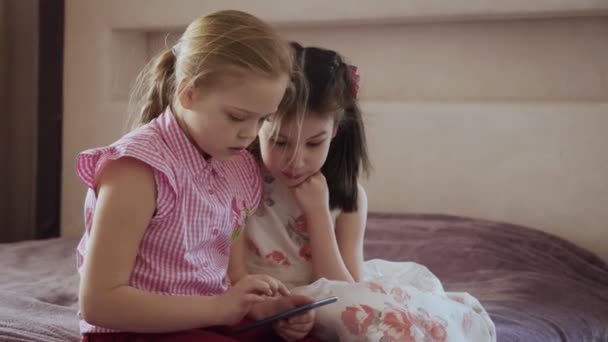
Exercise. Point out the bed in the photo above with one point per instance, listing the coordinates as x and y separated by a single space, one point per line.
536 287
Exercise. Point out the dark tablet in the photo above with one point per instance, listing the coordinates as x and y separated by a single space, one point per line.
286 314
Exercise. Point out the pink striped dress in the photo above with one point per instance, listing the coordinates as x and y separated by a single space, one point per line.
200 205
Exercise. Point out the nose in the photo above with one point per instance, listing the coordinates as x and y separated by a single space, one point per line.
249 131
297 159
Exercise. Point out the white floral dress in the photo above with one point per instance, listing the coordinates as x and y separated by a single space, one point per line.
396 301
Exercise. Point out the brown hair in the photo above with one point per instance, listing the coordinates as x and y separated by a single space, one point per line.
211 45
330 90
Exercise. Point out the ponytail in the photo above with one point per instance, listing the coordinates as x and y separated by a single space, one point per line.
346 158
154 88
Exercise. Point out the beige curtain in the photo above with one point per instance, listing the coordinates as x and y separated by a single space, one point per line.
18 95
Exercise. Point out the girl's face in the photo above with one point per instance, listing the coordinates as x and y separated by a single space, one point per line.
293 163
224 119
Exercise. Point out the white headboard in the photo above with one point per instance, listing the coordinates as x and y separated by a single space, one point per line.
539 164
497 111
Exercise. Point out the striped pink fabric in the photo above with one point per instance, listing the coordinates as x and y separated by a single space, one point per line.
200 204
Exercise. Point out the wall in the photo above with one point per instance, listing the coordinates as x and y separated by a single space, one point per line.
468 115
542 165
509 60
504 120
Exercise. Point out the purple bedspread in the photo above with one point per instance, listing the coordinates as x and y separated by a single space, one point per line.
535 286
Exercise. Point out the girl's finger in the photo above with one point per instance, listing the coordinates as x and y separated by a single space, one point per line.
302 318
258 286
292 335
254 298
284 290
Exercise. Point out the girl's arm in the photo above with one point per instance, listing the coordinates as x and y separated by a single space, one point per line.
125 206
327 260
350 230
237 267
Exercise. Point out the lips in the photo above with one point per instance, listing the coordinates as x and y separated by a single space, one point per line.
291 176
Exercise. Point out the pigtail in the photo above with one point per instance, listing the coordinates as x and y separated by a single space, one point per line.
347 155
154 88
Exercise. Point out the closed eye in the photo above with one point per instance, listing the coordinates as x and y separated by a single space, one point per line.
314 143
264 118
235 118
278 143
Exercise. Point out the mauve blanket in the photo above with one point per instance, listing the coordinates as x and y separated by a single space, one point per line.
39 291
535 286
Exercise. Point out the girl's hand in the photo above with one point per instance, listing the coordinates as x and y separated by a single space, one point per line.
297 327
312 195
277 287
294 328
251 289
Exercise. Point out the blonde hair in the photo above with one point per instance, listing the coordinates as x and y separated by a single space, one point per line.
211 45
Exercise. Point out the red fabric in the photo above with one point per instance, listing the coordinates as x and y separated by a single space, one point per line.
220 334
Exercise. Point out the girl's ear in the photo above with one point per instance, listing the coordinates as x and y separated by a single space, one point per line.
186 95
334 130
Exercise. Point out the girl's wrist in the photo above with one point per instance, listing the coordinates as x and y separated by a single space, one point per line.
221 308
316 210
318 219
